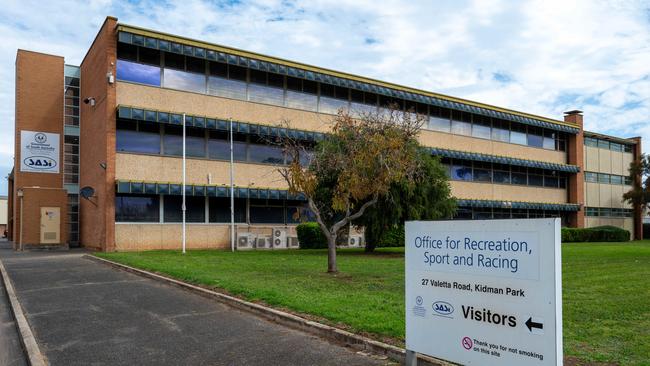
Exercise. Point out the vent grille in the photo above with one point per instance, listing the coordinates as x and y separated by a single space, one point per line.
51 235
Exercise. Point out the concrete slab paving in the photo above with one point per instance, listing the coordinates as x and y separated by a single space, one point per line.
82 312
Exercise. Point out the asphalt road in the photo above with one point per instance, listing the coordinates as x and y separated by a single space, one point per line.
83 312
11 351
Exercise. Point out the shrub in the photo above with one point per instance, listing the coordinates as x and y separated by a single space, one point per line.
310 236
594 234
392 238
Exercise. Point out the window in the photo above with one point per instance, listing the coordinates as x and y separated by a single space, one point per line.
461 171
140 137
266 212
219 145
549 139
615 147
590 141
138 73
518 135
260 152
194 141
535 177
616 179
591 177
461 123
518 213
183 80
501 130
219 209
482 172
481 127
259 91
298 95
227 88
137 208
551 181
194 209
627 148
535 137
627 181
501 174
149 56
439 119
603 144
297 212
603 178
591 211
518 175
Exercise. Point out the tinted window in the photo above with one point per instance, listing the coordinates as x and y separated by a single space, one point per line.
461 172
182 80
195 209
220 209
137 142
137 208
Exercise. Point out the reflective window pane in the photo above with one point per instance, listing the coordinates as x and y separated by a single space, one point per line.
461 172
137 208
303 101
439 124
265 94
331 105
267 154
138 73
226 88
194 209
219 209
137 142
181 80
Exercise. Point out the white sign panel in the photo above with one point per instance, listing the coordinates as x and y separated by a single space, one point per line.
485 292
39 152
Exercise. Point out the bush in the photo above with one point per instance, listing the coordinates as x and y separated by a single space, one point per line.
594 234
310 236
392 238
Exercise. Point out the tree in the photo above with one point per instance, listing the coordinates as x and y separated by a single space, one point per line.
639 195
425 197
353 167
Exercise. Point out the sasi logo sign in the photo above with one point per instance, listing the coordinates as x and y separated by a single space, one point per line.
40 162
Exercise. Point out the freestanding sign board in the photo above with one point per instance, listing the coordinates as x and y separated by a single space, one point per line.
39 152
485 292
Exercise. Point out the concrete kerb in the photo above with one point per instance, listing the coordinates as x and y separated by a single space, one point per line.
33 352
340 336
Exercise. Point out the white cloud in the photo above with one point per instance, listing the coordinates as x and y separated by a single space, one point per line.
557 55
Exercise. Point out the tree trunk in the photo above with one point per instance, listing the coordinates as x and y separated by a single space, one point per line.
371 242
331 254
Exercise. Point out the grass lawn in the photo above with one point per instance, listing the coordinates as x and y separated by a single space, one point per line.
606 294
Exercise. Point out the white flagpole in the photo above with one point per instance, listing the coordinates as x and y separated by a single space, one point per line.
183 208
232 192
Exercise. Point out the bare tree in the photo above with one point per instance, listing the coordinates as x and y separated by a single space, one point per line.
353 167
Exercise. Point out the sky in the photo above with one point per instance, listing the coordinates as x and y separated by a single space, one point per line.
542 57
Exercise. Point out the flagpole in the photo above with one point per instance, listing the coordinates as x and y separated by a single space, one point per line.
183 208
232 192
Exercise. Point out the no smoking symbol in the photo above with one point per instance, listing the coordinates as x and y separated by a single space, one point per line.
467 343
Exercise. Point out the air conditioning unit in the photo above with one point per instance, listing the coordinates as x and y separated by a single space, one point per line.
292 242
263 242
355 241
245 241
279 238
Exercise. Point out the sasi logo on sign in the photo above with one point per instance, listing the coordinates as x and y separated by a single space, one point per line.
40 162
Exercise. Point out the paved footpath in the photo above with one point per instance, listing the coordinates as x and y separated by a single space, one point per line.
83 312
11 350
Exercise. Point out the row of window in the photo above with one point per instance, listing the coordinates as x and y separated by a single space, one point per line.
167 209
71 159
604 144
154 138
73 219
147 66
71 101
608 212
478 171
482 213
592 177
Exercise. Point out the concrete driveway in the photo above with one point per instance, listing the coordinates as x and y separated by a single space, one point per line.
86 313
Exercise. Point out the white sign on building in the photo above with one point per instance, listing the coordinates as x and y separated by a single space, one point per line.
485 292
39 152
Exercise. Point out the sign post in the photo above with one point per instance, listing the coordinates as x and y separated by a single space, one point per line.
485 292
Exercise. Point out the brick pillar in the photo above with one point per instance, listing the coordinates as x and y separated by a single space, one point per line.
638 212
575 156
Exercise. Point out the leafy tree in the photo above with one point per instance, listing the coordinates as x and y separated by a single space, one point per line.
639 195
425 197
353 167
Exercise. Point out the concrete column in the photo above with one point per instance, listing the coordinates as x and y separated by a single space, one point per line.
575 156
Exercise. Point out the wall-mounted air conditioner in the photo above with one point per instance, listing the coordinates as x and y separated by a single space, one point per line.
279 238
292 242
355 241
245 241
263 242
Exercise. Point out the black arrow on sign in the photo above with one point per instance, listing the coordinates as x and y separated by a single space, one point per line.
531 324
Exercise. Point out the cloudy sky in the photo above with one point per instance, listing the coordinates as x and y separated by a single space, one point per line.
542 57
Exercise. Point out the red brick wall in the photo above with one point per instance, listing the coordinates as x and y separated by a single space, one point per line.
575 156
97 140
39 107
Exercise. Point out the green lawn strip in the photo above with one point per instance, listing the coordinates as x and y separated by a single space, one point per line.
606 298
